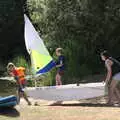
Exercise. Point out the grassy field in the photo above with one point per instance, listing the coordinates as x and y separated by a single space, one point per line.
91 109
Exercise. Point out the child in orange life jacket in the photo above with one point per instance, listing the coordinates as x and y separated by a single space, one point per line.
19 75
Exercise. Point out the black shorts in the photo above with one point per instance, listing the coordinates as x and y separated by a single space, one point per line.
21 88
61 73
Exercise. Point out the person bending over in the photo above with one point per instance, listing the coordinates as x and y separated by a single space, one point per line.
19 74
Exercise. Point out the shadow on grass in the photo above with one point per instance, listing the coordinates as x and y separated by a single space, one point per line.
10 112
83 105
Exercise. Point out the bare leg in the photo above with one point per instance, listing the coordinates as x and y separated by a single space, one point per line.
58 79
112 90
117 92
18 96
58 82
111 98
26 98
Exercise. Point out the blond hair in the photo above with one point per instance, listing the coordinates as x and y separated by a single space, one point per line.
59 50
9 65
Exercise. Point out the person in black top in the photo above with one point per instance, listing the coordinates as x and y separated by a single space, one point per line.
112 78
60 66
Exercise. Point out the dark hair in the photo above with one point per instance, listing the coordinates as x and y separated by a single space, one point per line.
105 53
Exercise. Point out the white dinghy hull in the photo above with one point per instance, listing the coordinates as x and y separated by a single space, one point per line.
67 92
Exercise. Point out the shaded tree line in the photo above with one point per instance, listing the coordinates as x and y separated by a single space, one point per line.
11 31
82 27
11 28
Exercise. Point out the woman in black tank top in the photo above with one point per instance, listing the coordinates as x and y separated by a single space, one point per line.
112 78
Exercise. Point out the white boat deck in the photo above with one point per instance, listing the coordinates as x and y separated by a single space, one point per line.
67 92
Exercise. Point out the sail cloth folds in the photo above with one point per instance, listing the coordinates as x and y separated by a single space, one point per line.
41 60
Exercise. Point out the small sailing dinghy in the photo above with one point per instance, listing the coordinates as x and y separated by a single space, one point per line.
9 101
7 92
67 92
42 62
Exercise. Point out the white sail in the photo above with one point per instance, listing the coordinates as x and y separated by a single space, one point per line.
42 62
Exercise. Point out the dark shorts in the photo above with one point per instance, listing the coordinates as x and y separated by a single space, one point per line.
21 88
61 73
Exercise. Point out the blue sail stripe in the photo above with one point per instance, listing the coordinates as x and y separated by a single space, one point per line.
47 68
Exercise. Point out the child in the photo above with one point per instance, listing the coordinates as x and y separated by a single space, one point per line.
19 74
60 65
60 71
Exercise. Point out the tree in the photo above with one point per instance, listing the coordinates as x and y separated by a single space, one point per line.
82 27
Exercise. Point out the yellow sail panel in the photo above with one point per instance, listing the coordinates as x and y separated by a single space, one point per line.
39 60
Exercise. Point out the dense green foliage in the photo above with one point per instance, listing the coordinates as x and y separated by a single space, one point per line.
11 29
7 87
82 27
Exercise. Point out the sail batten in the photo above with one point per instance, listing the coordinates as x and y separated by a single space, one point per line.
42 62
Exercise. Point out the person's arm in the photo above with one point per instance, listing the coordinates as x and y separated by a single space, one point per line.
109 71
61 64
10 74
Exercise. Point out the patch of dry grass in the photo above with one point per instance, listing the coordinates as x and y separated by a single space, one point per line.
91 109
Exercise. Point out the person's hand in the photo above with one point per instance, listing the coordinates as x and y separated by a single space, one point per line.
103 82
23 89
16 78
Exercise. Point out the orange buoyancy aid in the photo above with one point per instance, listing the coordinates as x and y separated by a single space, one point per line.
21 74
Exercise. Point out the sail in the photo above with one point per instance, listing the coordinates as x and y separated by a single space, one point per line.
41 60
